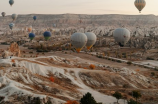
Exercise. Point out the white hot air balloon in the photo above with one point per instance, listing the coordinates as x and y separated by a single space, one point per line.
11 25
121 36
91 39
14 16
78 40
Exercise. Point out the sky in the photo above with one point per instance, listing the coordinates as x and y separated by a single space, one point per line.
77 7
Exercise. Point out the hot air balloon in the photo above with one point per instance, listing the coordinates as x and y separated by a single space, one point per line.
11 25
47 35
140 4
54 25
91 39
31 36
3 14
78 40
34 18
11 2
14 16
29 29
121 36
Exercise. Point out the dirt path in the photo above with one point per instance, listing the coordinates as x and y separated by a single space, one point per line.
95 59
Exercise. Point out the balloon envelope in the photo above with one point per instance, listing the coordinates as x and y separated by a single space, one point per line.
29 29
91 39
31 36
140 4
11 2
34 17
11 25
121 36
47 35
3 14
78 40
14 17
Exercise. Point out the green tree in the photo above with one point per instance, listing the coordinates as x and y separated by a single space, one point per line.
117 95
49 101
37 100
131 101
136 95
87 99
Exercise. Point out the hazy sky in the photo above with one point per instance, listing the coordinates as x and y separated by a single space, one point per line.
77 7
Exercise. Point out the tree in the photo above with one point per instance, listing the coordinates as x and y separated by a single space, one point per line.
88 99
117 95
48 102
131 101
136 95
37 100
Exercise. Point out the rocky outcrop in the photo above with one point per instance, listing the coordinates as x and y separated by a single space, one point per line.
6 54
14 49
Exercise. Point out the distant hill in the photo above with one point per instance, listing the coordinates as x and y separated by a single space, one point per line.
83 19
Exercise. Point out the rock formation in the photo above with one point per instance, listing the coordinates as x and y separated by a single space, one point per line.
14 49
6 54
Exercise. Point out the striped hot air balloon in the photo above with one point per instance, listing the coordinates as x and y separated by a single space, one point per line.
140 4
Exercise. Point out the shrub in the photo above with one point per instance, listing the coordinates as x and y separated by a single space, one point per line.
119 61
51 79
92 66
152 74
71 102
13 61
131 101
129 62
30 52
149 58
99 56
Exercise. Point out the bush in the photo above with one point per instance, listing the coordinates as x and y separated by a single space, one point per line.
51 79
71 102
92 66
152 74
119 61
99 56
30 52
13 61
131 101
129 62
149 58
